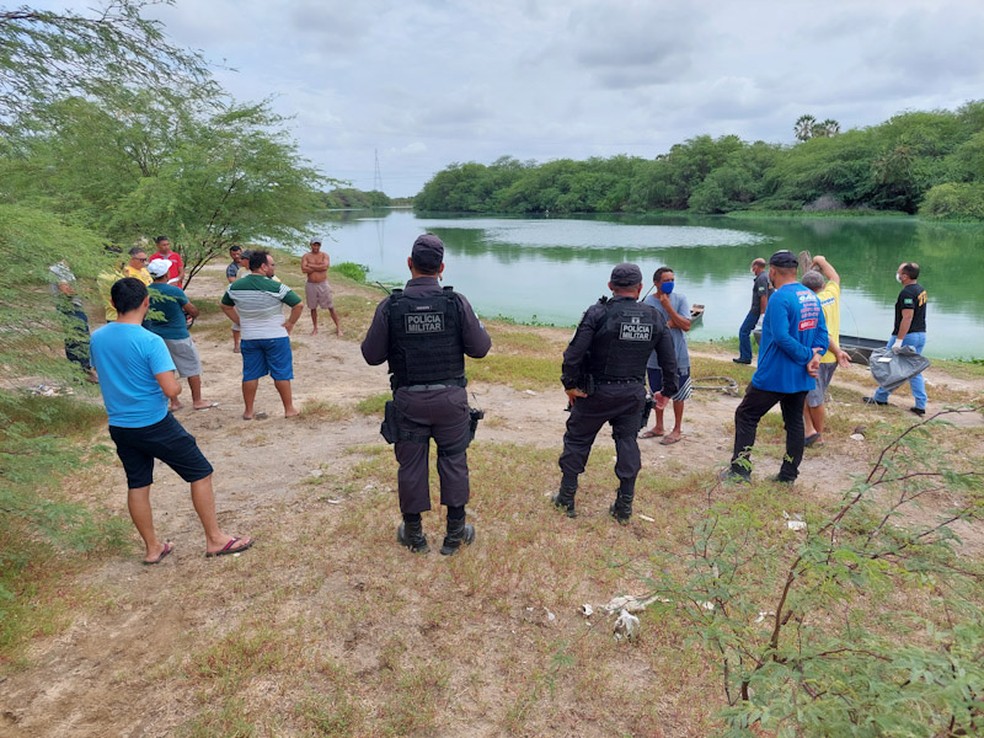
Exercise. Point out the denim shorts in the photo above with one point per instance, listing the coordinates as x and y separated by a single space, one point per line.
166 440
262 356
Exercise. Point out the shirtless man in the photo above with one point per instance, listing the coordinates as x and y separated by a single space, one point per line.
317 291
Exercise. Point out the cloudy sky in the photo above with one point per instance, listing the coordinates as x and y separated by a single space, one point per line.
424 83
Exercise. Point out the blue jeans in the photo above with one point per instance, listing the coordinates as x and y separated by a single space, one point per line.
745 336
917 383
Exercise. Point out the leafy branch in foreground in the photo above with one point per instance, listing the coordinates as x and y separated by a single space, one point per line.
868 624
48 55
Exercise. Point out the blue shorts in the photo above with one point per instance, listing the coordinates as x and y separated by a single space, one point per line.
262 356
684 387
166 440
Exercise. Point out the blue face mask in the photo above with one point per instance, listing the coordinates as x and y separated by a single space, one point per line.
666 287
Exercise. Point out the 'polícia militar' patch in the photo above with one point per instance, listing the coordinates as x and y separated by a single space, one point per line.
424 322
635 331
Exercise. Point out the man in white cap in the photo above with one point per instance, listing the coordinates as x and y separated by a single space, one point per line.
317 291
170 311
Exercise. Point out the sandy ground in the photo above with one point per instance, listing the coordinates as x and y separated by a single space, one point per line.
96 678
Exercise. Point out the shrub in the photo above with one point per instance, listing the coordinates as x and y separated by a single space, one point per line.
955 200
351 270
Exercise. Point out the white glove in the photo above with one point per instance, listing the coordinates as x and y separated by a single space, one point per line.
897 345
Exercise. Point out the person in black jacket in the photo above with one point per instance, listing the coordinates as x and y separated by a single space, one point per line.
604 374
424 332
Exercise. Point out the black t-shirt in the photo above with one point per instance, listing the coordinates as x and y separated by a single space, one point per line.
912 297
760 287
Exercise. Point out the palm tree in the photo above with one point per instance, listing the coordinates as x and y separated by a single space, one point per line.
828 128
804 127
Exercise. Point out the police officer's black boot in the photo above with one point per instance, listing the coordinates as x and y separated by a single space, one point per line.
621 509
411 534
458 531
564 499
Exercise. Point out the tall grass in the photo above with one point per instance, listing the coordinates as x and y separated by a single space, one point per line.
40 448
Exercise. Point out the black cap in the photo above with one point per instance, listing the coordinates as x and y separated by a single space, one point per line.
428 252
784 260
626 275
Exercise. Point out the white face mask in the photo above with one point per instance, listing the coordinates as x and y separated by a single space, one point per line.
898 277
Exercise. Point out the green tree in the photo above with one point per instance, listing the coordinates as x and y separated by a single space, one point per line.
803 129
130 165
233 177
49 55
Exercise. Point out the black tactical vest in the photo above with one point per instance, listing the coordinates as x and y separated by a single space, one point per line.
622 345
425 345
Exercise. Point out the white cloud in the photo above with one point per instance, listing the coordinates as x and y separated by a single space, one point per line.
423 83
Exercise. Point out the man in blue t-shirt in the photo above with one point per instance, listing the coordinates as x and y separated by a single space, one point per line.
136 381
170 312
794 337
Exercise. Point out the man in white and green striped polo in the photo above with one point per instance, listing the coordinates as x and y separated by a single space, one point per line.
256 303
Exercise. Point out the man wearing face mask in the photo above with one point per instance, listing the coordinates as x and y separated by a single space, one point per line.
760 297
794 337
604 372
909 330
673 306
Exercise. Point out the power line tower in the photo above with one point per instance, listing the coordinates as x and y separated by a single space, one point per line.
377 177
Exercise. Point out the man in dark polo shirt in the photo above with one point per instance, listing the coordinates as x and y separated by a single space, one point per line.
760 297
424 332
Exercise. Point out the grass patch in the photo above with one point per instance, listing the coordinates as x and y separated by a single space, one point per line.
519 372
374 405
40 438
320 410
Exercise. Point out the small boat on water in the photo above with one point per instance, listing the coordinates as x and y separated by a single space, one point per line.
858 348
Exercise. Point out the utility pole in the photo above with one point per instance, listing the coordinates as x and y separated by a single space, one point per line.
377 177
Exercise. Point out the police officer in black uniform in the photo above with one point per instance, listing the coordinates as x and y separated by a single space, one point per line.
604 375
424 332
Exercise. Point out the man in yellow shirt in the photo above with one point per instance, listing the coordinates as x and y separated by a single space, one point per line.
824 280
137 266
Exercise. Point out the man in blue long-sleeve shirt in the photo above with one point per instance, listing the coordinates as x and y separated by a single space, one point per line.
794 337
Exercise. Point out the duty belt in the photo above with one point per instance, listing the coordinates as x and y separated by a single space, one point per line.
631 380
442 384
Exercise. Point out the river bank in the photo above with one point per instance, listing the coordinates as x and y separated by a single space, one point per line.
327 627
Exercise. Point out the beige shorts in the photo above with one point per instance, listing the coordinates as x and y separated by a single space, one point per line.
318 295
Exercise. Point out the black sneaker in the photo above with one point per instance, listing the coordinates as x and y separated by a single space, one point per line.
742 361
873 401
779 480
918 410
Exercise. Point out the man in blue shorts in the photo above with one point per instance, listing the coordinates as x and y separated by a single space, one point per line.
256 303
673 306
136 381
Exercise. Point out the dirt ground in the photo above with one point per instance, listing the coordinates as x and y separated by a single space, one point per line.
111 671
